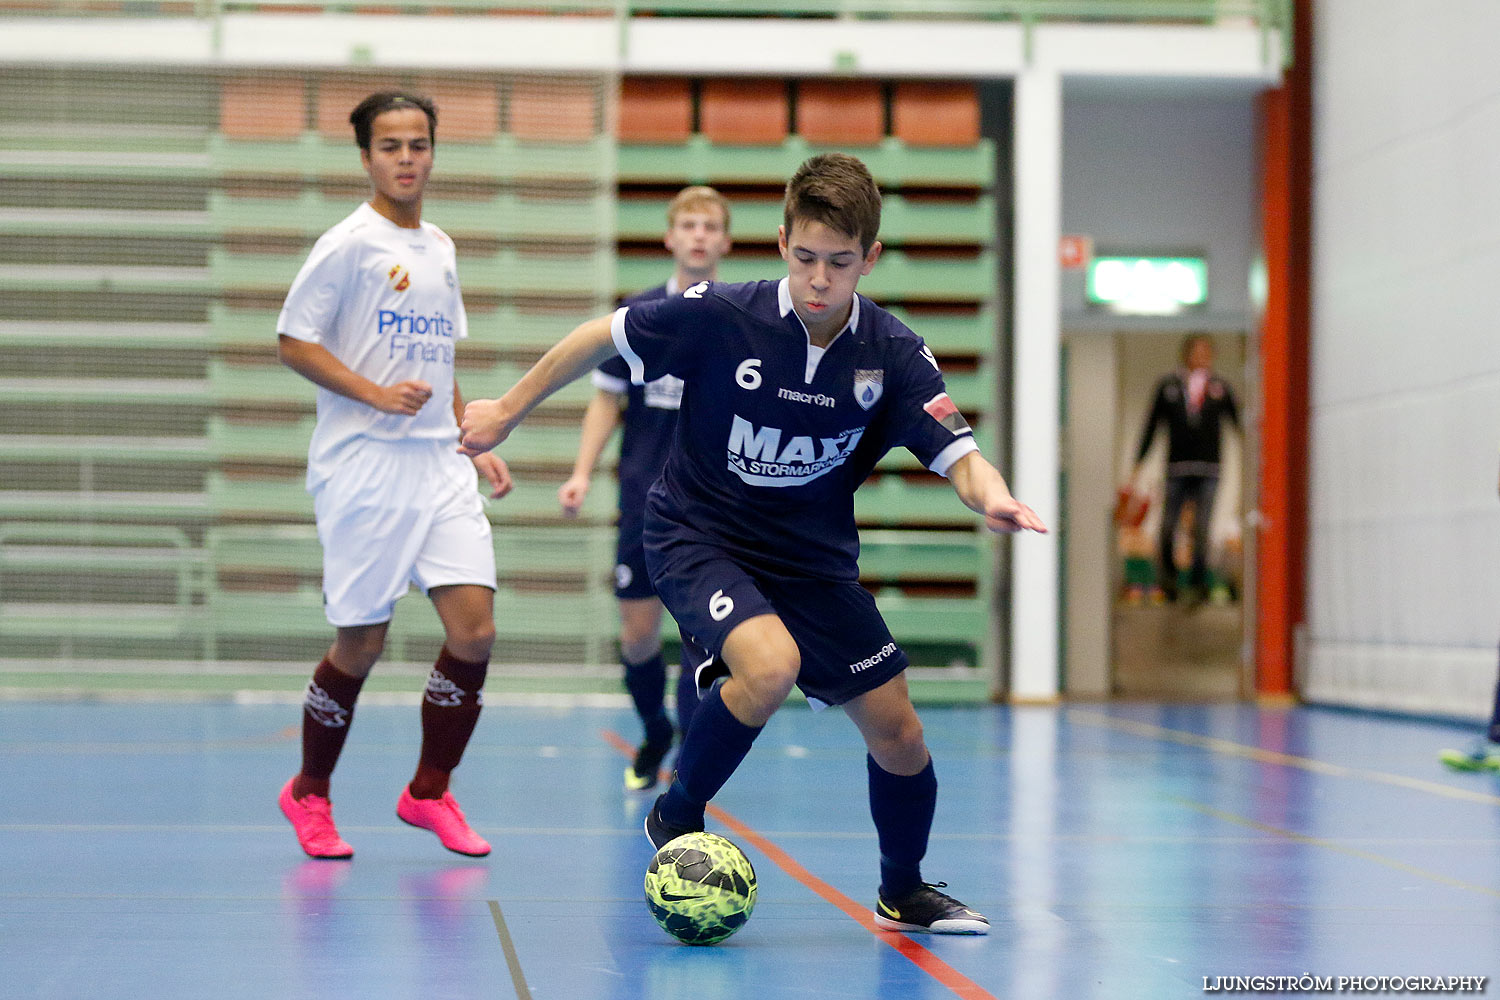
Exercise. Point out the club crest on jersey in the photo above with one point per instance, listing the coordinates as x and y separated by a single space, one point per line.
399 278
868 385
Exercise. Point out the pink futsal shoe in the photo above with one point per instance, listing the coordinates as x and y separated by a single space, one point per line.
444 818
312 817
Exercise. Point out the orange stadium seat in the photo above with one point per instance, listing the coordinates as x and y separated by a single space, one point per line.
468 109
656 109
337 96
744 112
556 110
841 112
262 107
935 114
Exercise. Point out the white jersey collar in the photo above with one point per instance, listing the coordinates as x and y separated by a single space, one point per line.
814 353
784 299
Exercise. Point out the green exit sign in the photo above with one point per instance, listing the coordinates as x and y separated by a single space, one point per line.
1148 286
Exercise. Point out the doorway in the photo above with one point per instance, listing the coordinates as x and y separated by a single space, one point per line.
1124 635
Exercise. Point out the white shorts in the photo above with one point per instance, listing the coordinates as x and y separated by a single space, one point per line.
397 513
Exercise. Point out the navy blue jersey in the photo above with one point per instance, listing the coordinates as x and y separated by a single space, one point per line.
774 434
649 417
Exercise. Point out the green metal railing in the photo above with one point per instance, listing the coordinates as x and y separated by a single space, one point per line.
1267 15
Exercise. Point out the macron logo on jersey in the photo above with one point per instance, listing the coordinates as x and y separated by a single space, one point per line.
696 292
758 457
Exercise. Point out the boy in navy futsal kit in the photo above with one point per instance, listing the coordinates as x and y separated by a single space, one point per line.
373 318
794 389
697 236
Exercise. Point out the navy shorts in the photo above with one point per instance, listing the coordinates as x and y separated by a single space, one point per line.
846 648
632 580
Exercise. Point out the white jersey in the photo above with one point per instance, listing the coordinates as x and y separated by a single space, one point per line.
386 302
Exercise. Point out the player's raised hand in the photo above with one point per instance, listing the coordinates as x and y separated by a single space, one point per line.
493 468
483 427
404 398
1008 515
571 495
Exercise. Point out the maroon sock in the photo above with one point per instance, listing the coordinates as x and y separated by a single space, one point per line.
450 709
327 712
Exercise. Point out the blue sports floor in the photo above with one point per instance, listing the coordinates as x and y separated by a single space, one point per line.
1121 851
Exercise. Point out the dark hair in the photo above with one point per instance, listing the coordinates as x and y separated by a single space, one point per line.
837 190
389 100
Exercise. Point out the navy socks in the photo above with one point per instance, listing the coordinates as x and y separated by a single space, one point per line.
710 753
902 807
647 683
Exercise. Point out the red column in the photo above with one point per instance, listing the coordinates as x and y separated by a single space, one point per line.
1286 224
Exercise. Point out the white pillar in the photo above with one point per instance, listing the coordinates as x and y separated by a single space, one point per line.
1034 450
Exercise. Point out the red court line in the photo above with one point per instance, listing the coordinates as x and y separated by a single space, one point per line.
961 985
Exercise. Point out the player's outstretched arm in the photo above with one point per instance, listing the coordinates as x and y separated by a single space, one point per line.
487 422
492 467
318 365
982 489
599 422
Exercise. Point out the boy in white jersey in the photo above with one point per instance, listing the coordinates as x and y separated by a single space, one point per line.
373 319
697 236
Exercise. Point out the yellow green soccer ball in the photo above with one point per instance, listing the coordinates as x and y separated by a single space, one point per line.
700 888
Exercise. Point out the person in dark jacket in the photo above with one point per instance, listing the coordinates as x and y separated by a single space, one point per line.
1193 403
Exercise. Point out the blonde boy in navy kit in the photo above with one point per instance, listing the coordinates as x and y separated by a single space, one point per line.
373 318
698 236
794 390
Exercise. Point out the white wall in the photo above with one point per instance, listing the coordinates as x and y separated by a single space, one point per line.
1404 547
1169 168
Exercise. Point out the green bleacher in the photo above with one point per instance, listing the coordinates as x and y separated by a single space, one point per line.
152 503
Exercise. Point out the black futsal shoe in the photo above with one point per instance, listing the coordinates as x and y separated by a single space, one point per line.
659 831
642 773
924 910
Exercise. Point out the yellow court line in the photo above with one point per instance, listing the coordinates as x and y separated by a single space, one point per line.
1329 845
1263 756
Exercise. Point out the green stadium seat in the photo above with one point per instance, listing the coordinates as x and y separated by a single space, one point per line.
902 460
89 335
113 279
231 384
97 222
959 332
967 222
259 499
898 277
935 619
274 442
308 214
506 159
894 164
230 326
97 578
894 555
58 449
533 501
99 391
891 501
287 548
269 272
553 444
